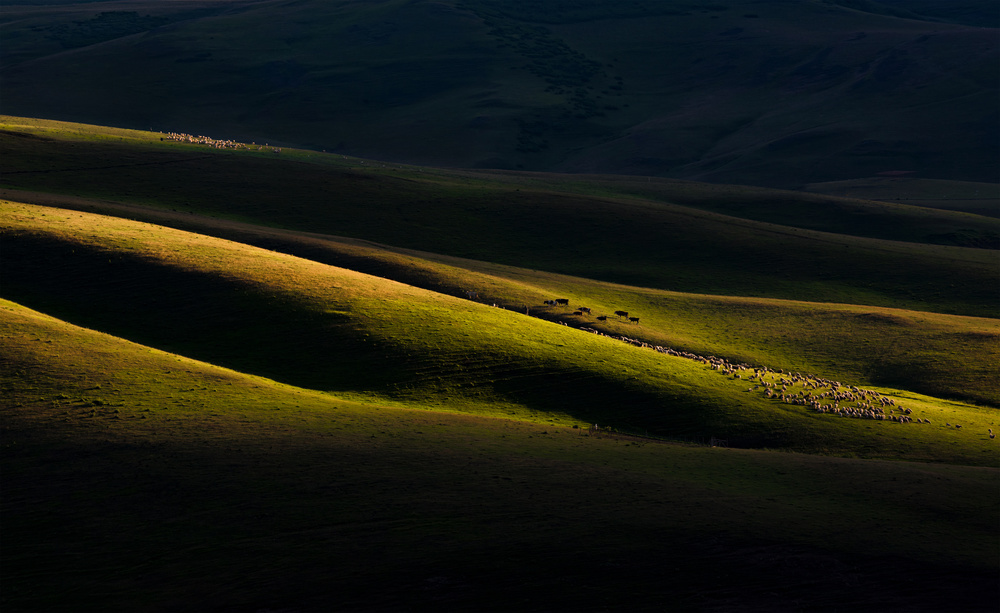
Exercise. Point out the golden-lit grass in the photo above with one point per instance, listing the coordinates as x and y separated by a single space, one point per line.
365 337
938 354
681 236
180 479
345 430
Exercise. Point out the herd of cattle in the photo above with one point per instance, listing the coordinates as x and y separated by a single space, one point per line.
586 310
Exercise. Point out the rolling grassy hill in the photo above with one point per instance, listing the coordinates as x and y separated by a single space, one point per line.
751 92
978 198
678 236
142 480
242 380
337 330
937 354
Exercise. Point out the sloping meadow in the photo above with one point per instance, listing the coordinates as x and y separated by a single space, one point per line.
327 328
181 482
750 242
932 353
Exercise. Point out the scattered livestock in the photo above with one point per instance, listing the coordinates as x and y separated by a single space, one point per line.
822 396
215 143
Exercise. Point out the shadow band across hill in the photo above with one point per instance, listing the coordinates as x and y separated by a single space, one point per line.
253 329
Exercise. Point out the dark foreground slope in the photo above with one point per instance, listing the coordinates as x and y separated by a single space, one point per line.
145 481
742 91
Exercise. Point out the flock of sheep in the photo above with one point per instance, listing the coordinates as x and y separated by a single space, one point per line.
215 144
820 395
824 396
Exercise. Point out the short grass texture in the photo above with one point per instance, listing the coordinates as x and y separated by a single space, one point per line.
201 413
334 329
141 480
678 236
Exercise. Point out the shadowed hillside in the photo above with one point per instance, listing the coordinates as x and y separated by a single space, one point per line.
338 330
247 378
740 91
189 483
874 346
669 235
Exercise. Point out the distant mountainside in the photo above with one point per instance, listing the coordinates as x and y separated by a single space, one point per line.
764 92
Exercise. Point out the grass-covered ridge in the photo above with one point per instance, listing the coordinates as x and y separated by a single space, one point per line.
183 479
205 398
334 329
941 355
744 91
657 236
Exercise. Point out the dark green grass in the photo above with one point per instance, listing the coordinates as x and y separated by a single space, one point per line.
326 328
621 239
140 480
742 92
941 355
933 220
966 197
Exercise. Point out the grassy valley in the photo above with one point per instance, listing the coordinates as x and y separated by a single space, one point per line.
244 379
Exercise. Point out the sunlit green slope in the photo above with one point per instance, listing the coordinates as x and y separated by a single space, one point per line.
942 355
329 328
676 236
186 482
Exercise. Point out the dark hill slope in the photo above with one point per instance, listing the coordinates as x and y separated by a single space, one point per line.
539 222
317 326
181 482
942 355
743 91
